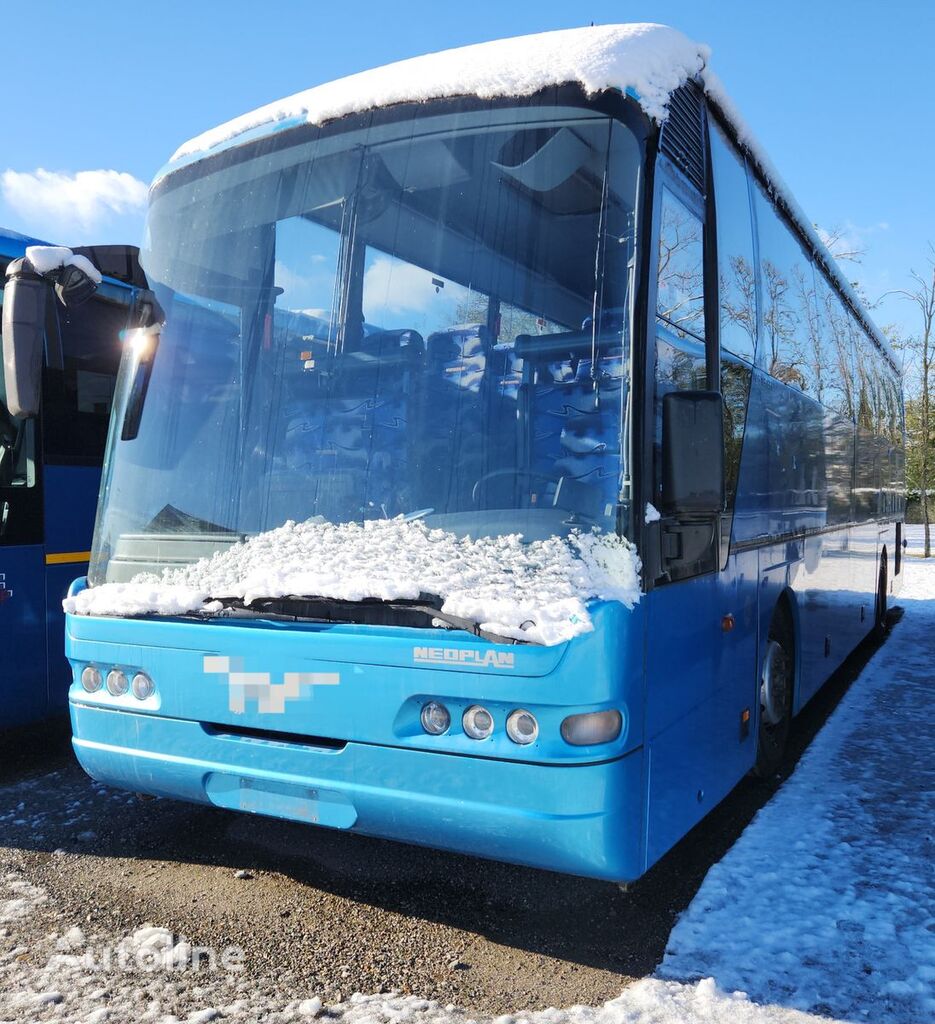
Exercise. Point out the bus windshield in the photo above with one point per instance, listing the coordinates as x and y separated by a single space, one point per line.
424 316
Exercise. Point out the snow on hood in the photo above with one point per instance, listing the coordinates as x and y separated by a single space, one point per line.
536 591
649 60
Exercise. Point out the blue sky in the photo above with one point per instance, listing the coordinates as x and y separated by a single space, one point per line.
839 94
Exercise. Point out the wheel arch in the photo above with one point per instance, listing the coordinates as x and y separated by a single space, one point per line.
786 608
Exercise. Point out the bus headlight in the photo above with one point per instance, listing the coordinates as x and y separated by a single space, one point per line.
435 718
117 682
522 727
592 727
91 678
142 686
477 722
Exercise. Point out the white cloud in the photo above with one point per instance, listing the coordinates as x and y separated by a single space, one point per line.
83 201
391 286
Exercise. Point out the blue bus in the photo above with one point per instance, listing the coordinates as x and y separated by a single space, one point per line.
591 324
49 478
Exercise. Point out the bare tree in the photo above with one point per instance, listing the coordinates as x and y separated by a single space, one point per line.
841 245
922 346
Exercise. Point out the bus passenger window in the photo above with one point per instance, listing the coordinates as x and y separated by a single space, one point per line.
680 274
788 286
736 264
835 380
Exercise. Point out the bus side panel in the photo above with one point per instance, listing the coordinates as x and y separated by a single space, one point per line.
701 678
22 635
828 609
70 502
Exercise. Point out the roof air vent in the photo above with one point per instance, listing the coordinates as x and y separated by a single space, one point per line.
683 133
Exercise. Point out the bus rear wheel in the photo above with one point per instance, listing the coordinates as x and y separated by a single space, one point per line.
777 679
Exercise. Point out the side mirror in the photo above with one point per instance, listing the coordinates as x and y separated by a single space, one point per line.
693 452
24 306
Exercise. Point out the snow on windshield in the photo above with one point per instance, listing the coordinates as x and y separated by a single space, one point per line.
536 592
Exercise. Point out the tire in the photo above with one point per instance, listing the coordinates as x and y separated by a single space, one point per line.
879 618
777 684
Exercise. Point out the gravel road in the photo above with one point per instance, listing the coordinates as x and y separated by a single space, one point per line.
334 913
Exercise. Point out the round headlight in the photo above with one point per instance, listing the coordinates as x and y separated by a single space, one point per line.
117 682
435 718
142 686
477 722
91 678
592 727
522 727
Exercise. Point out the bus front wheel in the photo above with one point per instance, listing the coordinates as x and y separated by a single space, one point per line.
777 679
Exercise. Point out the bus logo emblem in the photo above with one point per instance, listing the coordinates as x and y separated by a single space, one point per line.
270 697
463 656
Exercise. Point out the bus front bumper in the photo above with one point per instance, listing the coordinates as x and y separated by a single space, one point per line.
581 819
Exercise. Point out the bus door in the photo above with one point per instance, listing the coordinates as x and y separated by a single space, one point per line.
83 354
701 652
22 572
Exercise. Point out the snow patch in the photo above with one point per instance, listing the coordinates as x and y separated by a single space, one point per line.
536 591
652 514
46 258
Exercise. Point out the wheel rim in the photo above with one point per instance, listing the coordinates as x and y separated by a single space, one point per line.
774 685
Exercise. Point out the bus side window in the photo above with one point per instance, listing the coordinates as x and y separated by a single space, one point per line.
735 258
787 288
680 271
78 394
736 297
681 357
837 357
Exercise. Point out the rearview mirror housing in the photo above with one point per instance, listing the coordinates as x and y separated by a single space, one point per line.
25 296
693 452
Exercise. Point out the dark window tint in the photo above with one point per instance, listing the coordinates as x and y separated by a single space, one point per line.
680 292
787 287
736 267
78 394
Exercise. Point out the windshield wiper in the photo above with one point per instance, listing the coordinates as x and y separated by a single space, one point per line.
371 611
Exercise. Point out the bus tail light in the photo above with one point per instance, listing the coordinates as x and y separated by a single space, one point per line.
91 678
477 722
142 686
117 682
522 727
592 727
435 718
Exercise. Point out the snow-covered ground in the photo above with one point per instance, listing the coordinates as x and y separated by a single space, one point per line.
822 910
827 901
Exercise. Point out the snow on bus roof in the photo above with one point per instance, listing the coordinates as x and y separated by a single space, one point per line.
647 61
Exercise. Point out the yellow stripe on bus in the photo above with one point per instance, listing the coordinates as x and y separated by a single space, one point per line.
64 557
